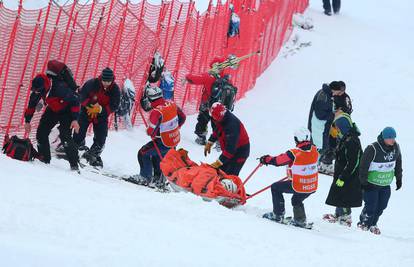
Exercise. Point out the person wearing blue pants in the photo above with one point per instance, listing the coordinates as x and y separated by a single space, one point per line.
301 180
380 162
164 124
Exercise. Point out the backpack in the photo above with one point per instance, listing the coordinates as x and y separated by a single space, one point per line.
60 71
20 149
234 25
167 84
224 92
156 68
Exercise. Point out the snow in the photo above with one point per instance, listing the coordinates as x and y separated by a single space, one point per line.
51 217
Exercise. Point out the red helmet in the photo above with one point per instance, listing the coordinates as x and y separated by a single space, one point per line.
217 111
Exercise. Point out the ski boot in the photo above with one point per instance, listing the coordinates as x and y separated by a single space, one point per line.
75 168
345 220
362 226
138 180
375 230
331 218
201 140
273 217
97 162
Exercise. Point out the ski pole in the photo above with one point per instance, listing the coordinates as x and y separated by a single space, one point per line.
157 148
253 172
264 189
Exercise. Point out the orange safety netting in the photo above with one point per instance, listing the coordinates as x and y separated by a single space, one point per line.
124 36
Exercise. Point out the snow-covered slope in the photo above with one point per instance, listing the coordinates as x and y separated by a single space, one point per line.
51 217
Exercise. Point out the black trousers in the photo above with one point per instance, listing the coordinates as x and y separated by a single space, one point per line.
336 5
48 120
100 132
278 189
203 119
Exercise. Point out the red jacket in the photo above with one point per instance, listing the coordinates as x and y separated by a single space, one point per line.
205 79
288 158
93 92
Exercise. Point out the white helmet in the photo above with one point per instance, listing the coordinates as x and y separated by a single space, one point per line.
302 134
153 93
229 185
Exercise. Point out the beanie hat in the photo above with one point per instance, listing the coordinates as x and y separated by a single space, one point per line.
336 86
107 75
389 133
343 125
38 82
342 85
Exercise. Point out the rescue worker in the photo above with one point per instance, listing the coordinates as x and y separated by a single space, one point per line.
99 98
206 79
165 120
233 138
55 88
301 180
380 162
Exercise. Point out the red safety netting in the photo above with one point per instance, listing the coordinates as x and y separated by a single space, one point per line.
124 36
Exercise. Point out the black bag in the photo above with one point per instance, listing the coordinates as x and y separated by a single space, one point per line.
20 149
224 92
61 71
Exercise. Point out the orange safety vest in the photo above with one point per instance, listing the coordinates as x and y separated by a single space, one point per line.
304 170
169 128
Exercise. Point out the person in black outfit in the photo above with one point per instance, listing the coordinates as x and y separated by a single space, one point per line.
62 107
99 98
336 6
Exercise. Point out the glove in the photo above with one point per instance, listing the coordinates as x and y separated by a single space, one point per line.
399 184
93 110
207 148
265 160
216 164
339 183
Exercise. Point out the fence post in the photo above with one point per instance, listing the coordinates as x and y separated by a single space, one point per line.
173 33
168 27
177 64
70 37
195 49
98 60
134 50
121 29
92 46
88 24
27 62
66 29
51 40
9 55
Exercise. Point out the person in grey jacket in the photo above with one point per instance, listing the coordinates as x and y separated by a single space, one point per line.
380 163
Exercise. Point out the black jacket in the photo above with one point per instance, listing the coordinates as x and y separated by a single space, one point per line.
93 92
384 150
348 155
322 105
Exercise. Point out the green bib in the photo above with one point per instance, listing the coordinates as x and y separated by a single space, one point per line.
381 174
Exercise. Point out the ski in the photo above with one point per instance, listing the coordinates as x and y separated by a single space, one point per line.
230 62
124 178
291 222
